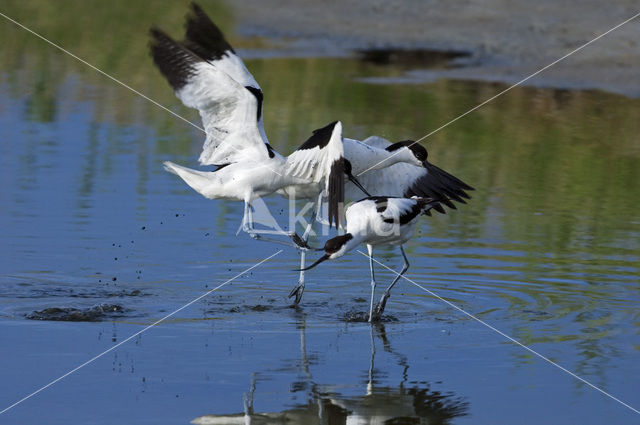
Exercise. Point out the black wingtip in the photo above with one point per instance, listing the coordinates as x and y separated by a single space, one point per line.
439 184
203 37
195 7
173 60
444 175
320 137
336 192
439 208
326 128
158 36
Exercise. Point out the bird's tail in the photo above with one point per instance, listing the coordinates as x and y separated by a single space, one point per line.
198 180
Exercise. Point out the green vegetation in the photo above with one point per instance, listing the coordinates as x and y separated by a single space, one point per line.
572 156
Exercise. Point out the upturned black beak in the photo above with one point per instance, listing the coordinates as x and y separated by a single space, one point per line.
357 183
320 260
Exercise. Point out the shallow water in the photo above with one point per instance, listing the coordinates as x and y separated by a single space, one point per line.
547 251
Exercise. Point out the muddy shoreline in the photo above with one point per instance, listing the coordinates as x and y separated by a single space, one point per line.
506 41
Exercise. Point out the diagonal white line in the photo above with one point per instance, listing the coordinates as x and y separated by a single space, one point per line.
102 72
115 80
515 341
137 333
508 88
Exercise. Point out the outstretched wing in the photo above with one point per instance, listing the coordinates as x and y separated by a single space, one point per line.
230 111
377 142
320 159
205 39
407 180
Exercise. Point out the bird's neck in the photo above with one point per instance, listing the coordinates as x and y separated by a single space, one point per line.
364 157
385 159
352 243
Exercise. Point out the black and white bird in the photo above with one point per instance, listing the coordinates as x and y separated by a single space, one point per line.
374 221
400 169
207 75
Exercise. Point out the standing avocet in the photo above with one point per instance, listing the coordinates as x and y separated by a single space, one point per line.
379 220
402 169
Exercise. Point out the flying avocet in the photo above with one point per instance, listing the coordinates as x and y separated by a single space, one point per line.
208 75
230 104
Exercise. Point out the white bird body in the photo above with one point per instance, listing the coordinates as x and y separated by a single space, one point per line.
207 75
243 181
304 173
303 191
370 226
375 221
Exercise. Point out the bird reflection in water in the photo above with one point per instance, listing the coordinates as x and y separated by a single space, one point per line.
402 404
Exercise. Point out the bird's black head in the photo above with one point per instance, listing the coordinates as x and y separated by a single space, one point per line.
348 170
418 151
334 245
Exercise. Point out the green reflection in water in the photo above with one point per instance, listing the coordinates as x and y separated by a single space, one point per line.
557 172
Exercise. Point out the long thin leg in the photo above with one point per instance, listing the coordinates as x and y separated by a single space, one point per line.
373 354
298 290
247 227
315 215
373 282
385 296
248 399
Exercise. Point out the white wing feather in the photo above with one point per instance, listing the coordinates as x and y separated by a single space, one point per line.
320 160
377 142
397 207
206 40
314 163
405 180
228 110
